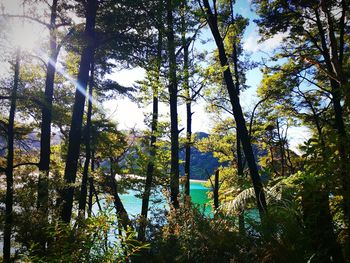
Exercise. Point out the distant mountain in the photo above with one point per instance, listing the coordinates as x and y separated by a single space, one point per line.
31 142
202 164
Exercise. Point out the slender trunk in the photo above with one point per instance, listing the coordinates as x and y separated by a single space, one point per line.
119 207
92 189
188 148
289 159
78 111
45 135
273 161
237 86
9 165
240 165
216 189
84 181
237 111
153 147
240 170
280 142
91 186
93 192
174 169
188 101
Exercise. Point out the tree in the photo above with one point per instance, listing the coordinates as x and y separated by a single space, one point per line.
78 110
9 164
185 47
283 86
212 19
318 40
155 84
45 135
87 135
173 89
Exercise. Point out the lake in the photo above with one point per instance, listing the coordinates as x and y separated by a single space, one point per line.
198 194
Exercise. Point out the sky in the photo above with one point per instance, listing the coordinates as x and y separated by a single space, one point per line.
128 115
201 120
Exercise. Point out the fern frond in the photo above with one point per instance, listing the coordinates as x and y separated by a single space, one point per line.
240 201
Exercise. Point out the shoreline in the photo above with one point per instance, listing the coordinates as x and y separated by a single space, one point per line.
198 181
119 177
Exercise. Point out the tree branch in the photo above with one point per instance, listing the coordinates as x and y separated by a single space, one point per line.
27 17
23 164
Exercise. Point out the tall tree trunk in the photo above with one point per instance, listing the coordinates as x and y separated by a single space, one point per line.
188 99
174 169
240 165
334 66
45 135
9 165
153 147
237 111
78 111
84 180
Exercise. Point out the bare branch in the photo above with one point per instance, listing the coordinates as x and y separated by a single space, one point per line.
27 17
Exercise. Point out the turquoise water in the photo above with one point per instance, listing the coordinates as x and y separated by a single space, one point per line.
198 194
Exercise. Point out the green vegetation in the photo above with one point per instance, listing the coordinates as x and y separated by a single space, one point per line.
65 162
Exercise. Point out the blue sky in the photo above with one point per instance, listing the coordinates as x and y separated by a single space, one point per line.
128 115
201 121
254 49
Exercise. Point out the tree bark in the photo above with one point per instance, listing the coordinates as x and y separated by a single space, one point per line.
84 180
240 165
45 135
9 165
188 101
174 169
153 147
240 173
281 148
216 189
237 111
91 184
78 111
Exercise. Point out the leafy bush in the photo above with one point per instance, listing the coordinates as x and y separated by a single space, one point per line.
96 239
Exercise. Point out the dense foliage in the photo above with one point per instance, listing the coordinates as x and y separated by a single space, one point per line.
65 163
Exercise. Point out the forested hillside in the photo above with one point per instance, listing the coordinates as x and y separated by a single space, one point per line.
252 96
203 164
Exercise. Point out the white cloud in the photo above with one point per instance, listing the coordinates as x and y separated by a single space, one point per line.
128 77
125 112
252 44
297 137
128 115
